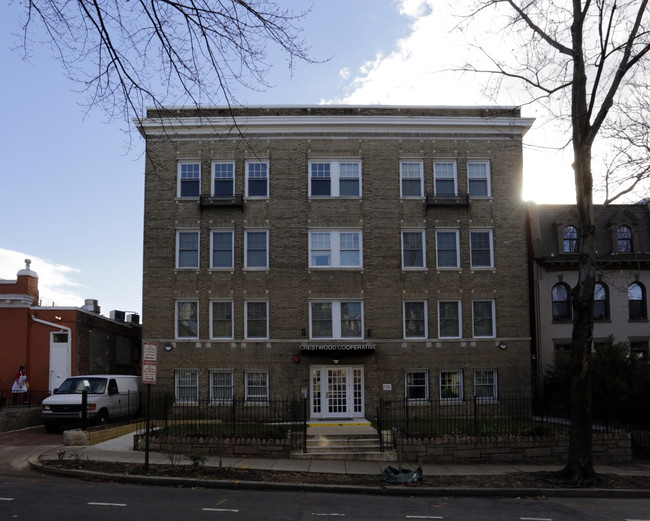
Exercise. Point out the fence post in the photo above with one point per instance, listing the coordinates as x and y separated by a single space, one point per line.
304 425
475 416
380 428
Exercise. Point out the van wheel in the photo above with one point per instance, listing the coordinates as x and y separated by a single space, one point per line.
102 417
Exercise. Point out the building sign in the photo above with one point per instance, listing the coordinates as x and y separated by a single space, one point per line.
149 362
338 348
388 387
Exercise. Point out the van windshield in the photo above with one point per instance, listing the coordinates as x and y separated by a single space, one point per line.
79 385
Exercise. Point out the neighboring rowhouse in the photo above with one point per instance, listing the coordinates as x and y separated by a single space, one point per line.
622 277
57 342
343 254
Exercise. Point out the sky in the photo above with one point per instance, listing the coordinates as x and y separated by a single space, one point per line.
72 187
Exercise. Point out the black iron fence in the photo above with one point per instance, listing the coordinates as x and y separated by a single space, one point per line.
9 399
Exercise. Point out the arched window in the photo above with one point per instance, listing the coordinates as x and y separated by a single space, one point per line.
570 238
601 302
561 303
637 301
624 240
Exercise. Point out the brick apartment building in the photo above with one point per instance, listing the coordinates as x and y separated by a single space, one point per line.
343 254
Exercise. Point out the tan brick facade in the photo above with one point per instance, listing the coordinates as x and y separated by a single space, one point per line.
287 140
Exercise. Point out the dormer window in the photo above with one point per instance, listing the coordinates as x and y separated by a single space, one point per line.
570 239
624 240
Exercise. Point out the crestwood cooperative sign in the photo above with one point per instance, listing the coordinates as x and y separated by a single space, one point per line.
328 348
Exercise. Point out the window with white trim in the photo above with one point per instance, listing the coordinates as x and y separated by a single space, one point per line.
257 178
482 254
412 180
415 319
222 249
221 385
336 319
256 249
223 178
257 319
221 319
486 384
335 249
189 179
449 319
445 180
187 249
187 319
413 249
416 383
340 178
447 249
478 178
483 318
256 384
186 385
451 385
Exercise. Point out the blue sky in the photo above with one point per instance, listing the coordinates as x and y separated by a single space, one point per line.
72 187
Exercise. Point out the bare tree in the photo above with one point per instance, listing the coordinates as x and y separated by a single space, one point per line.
129 54
586 62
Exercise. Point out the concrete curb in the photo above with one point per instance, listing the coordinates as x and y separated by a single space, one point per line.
380 489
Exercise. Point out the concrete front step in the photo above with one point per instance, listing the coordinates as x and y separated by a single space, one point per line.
389 455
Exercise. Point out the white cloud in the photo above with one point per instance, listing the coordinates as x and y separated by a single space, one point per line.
344 73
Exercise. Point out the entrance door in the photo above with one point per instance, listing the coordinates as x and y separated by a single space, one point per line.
59 358
337 392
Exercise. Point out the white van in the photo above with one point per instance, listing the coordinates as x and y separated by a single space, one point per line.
110 397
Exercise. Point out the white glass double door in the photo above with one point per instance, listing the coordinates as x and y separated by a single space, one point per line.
337 392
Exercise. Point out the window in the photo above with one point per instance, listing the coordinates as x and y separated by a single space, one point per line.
257 320
601 302
639 349
624 240
186 384
561 303
412 183
187 319
637 301
221 319
482 255
257 249
570 239
413 249
336 319
478 178
189 179
257 386
335 249
222 249
335 178
221 386
444 178
187 249
415 320
417 385
483 318
485 384
451 385
223 176
449 319
257 179
447 249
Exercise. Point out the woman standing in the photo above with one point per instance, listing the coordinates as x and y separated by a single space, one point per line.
20 386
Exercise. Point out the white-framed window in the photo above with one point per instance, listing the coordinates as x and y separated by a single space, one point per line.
221 385
478 179
256 384
221 319
415 319
222 244
339 178
257 179
483 318
486 384
187 249
445 179
336 319
335 249
189 179
449 319
256 249
447 249
451 385
187 319
412 179
482 253
223 178
186 385
257 319
416 382
413 249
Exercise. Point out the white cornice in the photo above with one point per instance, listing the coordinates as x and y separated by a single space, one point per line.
16 301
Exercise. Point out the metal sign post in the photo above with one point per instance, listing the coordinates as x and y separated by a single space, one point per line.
149 376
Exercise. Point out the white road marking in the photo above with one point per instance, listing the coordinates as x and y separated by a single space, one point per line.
6 499
637 520
221 509
424 517
317 514
535 519
106 504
